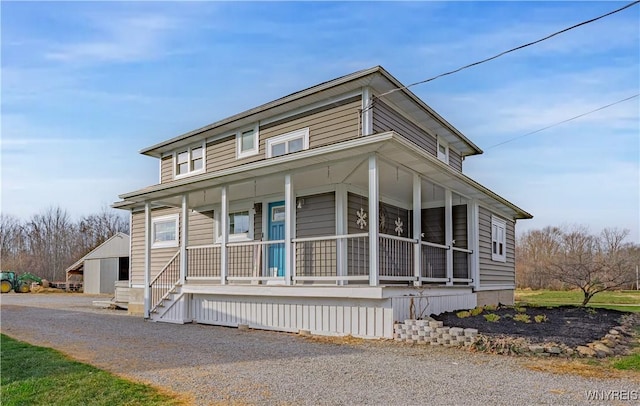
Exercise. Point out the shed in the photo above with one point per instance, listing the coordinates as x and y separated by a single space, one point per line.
101 268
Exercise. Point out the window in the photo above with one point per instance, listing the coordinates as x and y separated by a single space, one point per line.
498 239
247 142
164 231
443 151
288 143
239 223
189 161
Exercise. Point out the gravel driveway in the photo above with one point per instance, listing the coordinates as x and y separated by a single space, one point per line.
225 365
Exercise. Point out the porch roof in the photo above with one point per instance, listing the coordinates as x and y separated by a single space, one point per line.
389 146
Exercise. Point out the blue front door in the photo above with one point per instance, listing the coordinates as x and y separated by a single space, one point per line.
276 232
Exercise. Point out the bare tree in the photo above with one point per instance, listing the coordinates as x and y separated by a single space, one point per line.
51 243
12 243
533 249
592 263
95 229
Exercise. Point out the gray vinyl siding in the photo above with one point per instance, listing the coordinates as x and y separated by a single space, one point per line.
326 126
433 225
389 212
257 222
159 256
201 228
385 118
461 238
493 272
166 169
317 217
354 203
455 161
459 224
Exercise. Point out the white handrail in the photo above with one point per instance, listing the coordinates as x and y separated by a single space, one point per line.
462 250
164 268
193 247
394 237
249 243
331 237
432 244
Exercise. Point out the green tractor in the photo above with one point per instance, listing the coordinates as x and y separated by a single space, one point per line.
20 284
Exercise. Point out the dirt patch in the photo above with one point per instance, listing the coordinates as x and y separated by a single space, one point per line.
567 325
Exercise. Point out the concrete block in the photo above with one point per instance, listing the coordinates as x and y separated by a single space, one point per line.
471 332
456 331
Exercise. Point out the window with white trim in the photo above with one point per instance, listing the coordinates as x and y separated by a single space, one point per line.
189 161
288 143
239 224
443 151
498 239
164 231
247 141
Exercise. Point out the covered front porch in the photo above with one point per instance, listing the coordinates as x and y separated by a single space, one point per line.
374 214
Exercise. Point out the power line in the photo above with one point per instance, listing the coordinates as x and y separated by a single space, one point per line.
561 122
502 53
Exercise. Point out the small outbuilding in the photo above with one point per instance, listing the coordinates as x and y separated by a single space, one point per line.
101 268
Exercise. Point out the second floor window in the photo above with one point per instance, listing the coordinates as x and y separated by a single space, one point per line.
190 160
247 142
443 152
287 143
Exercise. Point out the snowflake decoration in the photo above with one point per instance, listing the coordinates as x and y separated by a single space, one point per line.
362 218
399 225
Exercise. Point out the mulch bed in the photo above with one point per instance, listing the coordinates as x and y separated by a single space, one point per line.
567 325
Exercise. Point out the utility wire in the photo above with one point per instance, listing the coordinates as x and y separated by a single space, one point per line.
501 53
561 122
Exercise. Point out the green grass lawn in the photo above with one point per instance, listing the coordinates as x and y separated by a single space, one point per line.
625 300
33 375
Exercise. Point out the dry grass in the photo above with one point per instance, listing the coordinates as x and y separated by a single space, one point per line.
587 368
40 289
338 340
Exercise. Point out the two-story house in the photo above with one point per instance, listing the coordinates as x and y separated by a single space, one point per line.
331 210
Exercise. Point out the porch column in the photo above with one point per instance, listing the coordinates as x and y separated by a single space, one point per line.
289 229
184 239
417 228
448 233
341 229
224 224
374 221
147 259
367 112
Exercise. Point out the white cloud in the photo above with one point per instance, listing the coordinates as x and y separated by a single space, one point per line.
119 40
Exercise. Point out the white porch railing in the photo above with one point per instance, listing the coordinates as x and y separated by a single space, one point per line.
246 260
461 265
161 286
332 258
329 259
434 262
395 258
203 261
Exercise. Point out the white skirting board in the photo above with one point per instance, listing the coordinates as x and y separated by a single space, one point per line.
367 318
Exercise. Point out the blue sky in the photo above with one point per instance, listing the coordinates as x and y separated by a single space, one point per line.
86 85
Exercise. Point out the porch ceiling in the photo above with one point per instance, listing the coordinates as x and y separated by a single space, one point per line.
332 164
